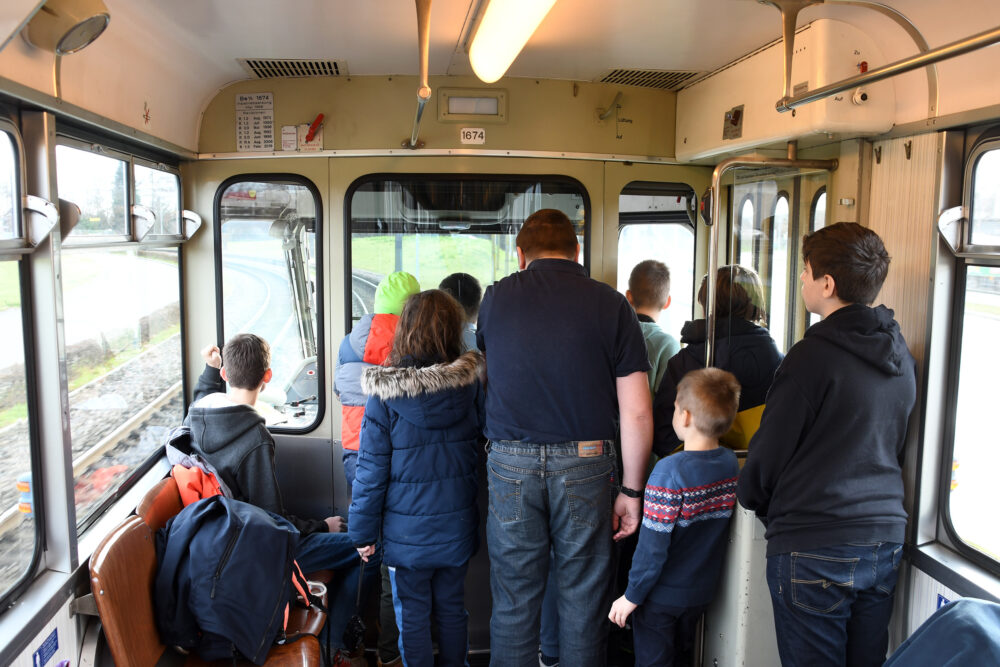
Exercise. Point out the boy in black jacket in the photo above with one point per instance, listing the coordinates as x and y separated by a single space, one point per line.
228 433
824 471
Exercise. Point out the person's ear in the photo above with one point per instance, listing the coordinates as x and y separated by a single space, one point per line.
686 418
521 263
628 297
222 374
576 255
667 304
267 376
829 286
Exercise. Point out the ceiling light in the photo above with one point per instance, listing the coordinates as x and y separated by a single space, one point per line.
66 26
503 32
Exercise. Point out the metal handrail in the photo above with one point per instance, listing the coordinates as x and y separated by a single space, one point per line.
951 50
423 45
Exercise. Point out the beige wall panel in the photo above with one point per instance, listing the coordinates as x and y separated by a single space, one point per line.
377 113
903 212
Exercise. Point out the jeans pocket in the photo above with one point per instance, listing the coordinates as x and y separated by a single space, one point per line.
887 582
505 496
821 583
590 499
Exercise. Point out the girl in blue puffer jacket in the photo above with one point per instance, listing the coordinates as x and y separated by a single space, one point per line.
416 477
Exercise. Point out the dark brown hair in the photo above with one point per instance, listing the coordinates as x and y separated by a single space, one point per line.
429 330
738 293
547 231
466 290
712 396
852 255
246 358
649 284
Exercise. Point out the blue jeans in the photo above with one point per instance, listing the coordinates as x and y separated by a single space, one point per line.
335 551
350 459
549 632
832 605
416 594
664 636
546 497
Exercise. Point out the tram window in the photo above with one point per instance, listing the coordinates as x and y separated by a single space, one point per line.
98 184
9 227
160 191
18 528
779 271
656 226
817 218
270 273
975 458
745 240
985 217
433 226
123 359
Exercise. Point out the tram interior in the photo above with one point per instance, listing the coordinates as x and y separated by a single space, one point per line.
205 168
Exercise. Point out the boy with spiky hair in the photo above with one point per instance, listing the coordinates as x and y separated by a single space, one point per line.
688 502
824 471
649 294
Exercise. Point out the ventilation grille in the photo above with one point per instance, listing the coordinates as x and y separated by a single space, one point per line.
271 68
649 78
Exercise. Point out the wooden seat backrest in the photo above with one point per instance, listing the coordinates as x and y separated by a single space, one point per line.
122 571
160 503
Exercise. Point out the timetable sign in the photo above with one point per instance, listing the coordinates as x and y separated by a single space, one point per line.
254 122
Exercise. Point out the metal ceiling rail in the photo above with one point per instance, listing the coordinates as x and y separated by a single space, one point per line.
962 46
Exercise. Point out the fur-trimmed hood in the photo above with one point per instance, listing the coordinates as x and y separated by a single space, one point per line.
435 396
388 382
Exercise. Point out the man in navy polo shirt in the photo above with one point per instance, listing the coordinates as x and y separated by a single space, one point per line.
566 364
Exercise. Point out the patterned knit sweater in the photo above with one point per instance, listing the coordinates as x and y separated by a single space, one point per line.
689 500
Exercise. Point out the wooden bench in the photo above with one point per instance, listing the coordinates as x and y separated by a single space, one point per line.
122 573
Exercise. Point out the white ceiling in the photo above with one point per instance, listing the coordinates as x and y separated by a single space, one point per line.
175 55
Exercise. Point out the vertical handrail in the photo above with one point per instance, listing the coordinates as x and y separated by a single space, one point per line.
716 222
423 46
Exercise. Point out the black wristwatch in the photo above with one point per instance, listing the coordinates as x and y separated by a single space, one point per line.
631 493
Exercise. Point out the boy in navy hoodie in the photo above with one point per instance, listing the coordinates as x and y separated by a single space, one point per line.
824 470
685 519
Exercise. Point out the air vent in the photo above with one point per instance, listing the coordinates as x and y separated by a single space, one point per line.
271 68
649 78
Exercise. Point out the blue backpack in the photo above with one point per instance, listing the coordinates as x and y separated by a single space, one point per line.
224 579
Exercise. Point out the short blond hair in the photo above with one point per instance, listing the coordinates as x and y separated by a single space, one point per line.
712 396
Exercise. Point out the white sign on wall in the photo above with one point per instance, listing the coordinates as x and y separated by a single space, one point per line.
254 122
473 135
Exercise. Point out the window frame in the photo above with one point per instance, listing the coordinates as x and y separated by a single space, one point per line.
983 256
97 148
987 145
289 179
82 140
812 210
10 250
664 189
158 166
790 292
450 177
748 198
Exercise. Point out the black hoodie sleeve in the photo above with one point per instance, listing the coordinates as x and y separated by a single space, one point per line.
210 382
257 479
788 414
